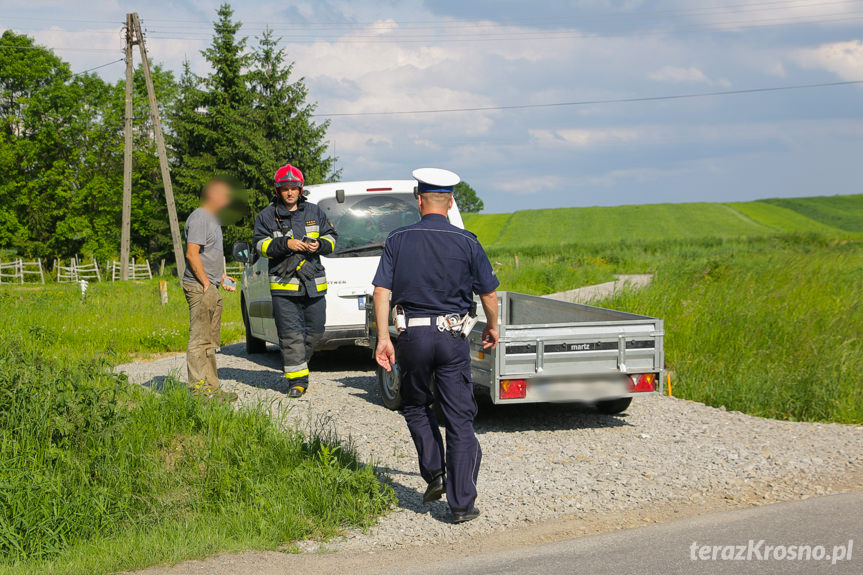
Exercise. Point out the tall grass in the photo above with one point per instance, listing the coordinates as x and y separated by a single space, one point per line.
119 320
99 475
768 326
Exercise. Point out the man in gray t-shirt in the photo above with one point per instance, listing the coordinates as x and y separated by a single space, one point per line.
205 272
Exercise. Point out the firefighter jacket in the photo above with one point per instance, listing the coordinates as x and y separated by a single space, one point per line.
289 274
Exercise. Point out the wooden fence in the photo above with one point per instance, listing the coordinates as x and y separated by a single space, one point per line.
17 271
137 271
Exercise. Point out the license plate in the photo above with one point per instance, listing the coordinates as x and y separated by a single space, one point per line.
361 302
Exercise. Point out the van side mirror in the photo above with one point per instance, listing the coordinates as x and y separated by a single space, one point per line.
242 252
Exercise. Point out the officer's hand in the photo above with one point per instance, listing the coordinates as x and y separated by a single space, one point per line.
490 338
385 354
313 246
297 246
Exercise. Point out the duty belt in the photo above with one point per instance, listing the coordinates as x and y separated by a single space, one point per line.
453 323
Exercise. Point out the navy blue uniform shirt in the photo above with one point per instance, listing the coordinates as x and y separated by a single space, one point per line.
434 268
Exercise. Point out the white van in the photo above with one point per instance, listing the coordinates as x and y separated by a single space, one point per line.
363 213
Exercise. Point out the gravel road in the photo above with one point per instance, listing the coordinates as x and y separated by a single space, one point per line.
554 461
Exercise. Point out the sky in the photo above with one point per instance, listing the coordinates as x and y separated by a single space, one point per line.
367 57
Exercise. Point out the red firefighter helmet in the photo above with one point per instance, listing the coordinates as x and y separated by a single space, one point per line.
289 175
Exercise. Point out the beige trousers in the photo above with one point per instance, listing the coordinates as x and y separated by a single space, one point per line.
205 323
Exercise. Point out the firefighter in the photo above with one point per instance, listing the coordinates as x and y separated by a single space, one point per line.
430 272
293 234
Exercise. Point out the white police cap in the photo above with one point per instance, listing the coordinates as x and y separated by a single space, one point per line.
435 180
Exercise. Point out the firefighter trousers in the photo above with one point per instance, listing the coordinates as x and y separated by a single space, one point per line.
300 324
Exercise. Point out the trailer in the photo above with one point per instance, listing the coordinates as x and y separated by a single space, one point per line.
555 352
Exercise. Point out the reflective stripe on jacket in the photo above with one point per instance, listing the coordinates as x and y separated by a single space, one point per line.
274 226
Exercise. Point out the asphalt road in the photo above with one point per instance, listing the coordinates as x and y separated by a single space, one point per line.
667 549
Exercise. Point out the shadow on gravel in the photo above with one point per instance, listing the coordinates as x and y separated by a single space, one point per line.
158 382
411 499
507 418
543 417
271 359
343 359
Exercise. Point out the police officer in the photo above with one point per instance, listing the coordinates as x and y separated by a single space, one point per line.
431 270
293 234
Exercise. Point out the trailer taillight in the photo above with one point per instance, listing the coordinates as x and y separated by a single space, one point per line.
513 388
642 382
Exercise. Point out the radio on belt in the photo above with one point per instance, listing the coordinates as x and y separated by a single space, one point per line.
454 323
399 319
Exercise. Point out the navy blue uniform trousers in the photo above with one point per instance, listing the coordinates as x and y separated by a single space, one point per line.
423 353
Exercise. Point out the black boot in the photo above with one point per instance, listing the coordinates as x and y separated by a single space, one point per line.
296 391
464 516
435 489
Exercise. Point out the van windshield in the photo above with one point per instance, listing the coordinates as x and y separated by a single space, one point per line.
364 221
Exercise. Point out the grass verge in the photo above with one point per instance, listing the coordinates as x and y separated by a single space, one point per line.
769 326
120 320
98 475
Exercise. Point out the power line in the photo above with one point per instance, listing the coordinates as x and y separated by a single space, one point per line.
595 102
97 67
729 9
514 36
13 47
744 7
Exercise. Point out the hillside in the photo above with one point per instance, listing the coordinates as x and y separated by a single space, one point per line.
832 214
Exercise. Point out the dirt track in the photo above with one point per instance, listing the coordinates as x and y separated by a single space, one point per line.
548 471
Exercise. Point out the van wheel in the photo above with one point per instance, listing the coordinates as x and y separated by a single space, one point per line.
253 344
389 385
612 406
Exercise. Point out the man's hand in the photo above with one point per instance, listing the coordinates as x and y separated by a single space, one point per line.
385 354
313 246
297 246
490 338
227 287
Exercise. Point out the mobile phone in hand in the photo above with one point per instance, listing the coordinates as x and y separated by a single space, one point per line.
308 240
229 283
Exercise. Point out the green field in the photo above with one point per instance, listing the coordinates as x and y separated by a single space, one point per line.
652 222
98 475
763 301
842 212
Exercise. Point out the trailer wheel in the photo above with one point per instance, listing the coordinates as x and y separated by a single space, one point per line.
389 384
612 406
253 344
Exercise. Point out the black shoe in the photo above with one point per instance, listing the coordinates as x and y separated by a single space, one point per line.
464 516
435 489
296 391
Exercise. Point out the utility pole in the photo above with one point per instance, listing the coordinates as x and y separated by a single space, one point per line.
125 232
163 155
134 35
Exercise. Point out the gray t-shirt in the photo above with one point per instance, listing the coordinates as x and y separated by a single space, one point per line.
203 228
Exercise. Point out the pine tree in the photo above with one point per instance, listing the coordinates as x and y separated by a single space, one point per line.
243 120
285 116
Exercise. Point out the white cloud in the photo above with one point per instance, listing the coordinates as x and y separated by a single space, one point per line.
679 74
845 59
581 138
535 185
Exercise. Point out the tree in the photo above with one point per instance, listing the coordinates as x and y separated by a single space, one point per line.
61 158
466 198
244 120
